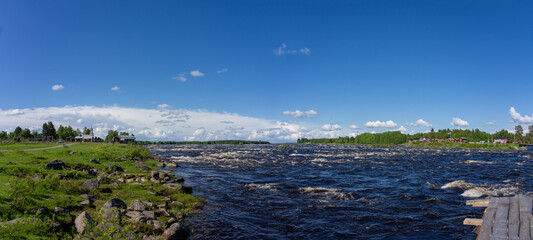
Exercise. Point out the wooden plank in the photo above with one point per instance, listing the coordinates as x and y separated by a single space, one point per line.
524 203
488 218
499 227
473 221
514 219
479 202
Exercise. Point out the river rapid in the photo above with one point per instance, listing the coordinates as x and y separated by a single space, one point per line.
343 191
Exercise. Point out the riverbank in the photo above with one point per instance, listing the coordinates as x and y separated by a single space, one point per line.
448 145
93 190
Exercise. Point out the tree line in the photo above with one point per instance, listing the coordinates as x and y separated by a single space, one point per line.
50 133
396 137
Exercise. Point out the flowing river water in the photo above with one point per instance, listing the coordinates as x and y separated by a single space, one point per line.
343 191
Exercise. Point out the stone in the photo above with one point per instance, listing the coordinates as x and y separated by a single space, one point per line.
180 216
166 200
154 174
178 187
144 168
39 210
37 177
113 167
111 214
165 212
156 226
175 232
82 221
149 214
71 153
136 216
87 196
137 206
154 193
55 164
91 184
172 165
121 180
86 202
171 221
161 165
180 179
115 202
60 210
154 180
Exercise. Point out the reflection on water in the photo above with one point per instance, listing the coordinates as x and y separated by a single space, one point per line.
343 191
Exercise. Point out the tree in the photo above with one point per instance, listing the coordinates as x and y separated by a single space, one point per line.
51 129
17 131
86 131
529 135
26 133
3 135
45 129
110 135
519 132
124 134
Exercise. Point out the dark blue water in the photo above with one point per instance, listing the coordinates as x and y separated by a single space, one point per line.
343 191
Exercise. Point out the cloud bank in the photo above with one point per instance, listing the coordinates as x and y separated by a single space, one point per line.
165 123
57 87
420 122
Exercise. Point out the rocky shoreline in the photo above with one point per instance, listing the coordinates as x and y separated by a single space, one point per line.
154 210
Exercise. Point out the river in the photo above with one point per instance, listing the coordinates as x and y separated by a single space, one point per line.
343 191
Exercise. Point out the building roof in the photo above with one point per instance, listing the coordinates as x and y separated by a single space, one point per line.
126 137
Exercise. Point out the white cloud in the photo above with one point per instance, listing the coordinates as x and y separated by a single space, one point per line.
353 126
196 73
165 124
115 88
490 123
401 129
459 122
380 124
300 114
222 70
57 87
519 118
330 127
164 106
420 122
283 50
180 77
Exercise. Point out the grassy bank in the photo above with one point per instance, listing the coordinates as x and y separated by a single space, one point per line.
17 146
510 146
31 192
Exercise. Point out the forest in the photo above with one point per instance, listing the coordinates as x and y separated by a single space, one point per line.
396 137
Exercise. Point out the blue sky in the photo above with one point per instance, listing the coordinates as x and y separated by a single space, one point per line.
350 62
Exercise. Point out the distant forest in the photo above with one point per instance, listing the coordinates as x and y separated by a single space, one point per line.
396 137
240 142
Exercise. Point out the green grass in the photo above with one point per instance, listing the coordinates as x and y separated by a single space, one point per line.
20 146
19 192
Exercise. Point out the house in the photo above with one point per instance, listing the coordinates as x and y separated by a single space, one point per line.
124 139
500 140
88 138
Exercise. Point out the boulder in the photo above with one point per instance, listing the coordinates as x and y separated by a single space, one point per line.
137 206
91 184
175 232
136 216
87 196
114 202
113 167
161 165
180 179
172 165
149 214
82 221
156 226
86 202
60 210
178 187
144 168
39 210
55 164
111 214
171 221
154 175
93 161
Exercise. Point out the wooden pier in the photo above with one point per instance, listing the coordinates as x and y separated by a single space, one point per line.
504 218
